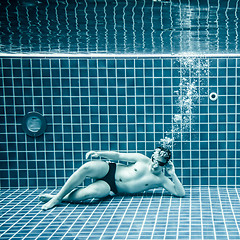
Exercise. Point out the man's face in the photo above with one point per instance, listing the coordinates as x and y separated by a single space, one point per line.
158 157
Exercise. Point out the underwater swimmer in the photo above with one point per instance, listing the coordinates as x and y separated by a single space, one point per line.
111 178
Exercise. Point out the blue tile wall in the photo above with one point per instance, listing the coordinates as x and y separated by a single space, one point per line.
120 104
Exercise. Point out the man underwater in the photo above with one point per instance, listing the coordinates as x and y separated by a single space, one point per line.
111 178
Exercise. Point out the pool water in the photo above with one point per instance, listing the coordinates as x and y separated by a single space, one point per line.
123 76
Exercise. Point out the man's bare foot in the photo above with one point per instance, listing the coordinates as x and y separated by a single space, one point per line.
45 197
52 203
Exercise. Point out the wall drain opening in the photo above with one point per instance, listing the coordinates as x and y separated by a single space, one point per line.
213 96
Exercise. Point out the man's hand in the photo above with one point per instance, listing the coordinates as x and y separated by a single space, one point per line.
170 168
92 154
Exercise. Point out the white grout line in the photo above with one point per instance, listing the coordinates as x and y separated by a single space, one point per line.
5 191
13 206
222 212
190 213
145 217
179 218
211 205
25 215
201 210
52 221
167 221
15 222
63 222
88 221
69 230
133 219
113 214
234 217
99 219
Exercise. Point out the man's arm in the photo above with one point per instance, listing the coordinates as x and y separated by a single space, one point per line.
175 186
111 155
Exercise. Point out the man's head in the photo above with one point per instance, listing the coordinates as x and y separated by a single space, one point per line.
161 155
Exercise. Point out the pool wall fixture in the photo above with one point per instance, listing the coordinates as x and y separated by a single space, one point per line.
213 96
34 124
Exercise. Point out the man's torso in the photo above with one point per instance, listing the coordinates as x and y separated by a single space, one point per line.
136 178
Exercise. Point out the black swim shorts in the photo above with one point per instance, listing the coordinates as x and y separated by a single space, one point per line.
110 177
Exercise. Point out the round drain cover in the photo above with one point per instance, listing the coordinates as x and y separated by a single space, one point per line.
34 124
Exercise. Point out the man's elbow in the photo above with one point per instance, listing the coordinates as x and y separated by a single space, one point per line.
181 194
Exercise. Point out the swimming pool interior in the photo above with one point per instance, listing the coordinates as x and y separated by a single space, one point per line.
123 76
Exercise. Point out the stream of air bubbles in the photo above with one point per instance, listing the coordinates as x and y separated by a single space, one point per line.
193 71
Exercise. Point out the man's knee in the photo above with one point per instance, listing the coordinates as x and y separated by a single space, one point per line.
84 194
95 169
96 190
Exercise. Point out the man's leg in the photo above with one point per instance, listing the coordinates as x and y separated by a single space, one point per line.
98 189
93 169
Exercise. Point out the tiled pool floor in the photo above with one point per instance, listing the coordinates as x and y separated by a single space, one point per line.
204 213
